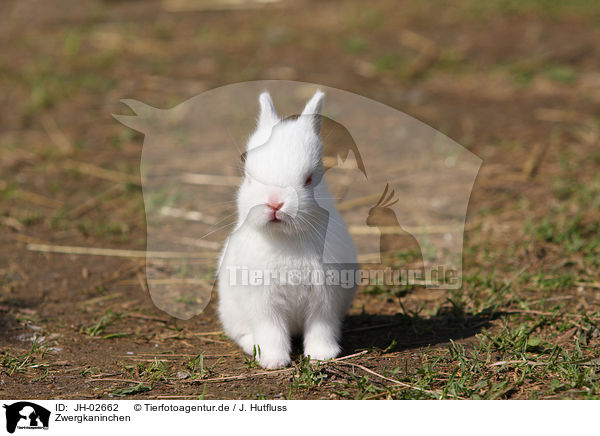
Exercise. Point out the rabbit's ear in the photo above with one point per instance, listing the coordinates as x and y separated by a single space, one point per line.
145 116
313 108
268 116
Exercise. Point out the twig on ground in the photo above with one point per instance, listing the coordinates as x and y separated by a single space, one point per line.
124 270
399 383
145 317
95 251
589 284
188 215
102 173
102 298
210 179
55 134
13 223
277 371
395 230
91 203
215 333
534 160
428 51
208 356
38 199
141 278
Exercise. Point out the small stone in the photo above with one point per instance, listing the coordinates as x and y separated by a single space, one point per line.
182 375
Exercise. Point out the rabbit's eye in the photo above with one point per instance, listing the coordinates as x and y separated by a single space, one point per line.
308 180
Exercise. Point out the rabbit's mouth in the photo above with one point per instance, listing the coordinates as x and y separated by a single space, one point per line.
276 216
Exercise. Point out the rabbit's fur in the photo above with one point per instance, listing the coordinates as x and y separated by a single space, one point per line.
283 164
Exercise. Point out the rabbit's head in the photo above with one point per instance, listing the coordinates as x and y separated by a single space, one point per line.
283 170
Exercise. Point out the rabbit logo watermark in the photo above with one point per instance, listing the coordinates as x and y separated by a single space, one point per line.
26 415
371 186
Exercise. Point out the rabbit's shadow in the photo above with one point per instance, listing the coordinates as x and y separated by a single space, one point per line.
405 331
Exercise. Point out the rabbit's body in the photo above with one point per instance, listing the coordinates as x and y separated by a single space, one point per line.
301 233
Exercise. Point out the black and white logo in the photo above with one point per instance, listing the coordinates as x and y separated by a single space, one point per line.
26 415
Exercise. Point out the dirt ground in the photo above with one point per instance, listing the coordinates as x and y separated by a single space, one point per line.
517 83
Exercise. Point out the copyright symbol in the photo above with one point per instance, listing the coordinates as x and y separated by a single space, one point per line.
137 407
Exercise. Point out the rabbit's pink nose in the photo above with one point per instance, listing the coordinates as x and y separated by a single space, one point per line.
275 205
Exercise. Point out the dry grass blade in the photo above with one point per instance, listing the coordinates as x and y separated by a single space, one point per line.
114 252
91 203
215 333
102 298
55 134
534 160
146 317
210 179
397 382
13 223
188 215
278 371
394 230
212 5
428 51
40 200
589 284
102 173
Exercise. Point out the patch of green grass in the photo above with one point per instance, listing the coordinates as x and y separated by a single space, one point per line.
361 387
260 395
452 61
519 357
198 368
131 390
124 136
524 71
48 85
555 282
105 321
10 192
102 229
573 234
155 371
31 217
252 362
547 8
307 375
522 78
561 74
18 363
355 44
72 43
60 220
388 62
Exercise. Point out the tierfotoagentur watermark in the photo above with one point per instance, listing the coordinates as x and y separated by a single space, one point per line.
399 185
346 278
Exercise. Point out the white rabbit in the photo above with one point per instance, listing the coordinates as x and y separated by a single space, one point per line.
287 222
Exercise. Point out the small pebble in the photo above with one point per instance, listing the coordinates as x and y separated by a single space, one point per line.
182 375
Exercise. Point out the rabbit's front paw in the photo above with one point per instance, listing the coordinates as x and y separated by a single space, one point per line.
275 360
321 350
